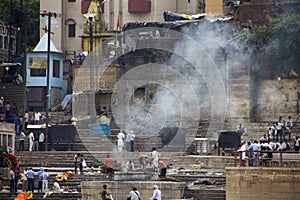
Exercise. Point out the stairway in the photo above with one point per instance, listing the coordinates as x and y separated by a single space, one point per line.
13 94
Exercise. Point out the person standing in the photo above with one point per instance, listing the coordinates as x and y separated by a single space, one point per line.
14 109
163 169
105 194
127 141
45 177
25 183
26 118
40 178
22 139
12 188
17 177
296 144
109 164
30 179
76 157
7 110
37 118
2 117
242 149
120 141
17 124
132 138
81 159
155 159
41 141
289 126
254 148
134 194
31 140
1 104
156 193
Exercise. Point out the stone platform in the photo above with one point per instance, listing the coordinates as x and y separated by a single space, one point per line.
90 190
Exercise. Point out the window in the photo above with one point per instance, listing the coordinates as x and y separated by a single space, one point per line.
56 70
71 30
139 6
38 72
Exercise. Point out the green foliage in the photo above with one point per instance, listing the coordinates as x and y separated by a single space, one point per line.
33 23
4 10
275 44
24 16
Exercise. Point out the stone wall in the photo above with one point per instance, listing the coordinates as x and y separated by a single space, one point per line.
262 183
277 98
90 190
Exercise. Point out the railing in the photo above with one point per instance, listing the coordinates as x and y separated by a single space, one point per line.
264 157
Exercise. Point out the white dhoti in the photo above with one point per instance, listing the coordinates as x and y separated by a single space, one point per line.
120 145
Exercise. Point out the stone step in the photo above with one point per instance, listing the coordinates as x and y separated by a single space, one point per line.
13 94
93 159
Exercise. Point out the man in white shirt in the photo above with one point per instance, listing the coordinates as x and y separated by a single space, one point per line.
131 137
22 139
45 177
243 149
37 118
25 183
31 140
155 155
41 141
120 142
134 194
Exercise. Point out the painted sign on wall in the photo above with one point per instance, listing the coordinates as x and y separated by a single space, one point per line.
104 79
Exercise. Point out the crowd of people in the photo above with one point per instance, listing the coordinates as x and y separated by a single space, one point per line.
277 138
26 179
9 113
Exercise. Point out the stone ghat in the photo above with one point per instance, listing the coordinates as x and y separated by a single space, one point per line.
262 183
90 190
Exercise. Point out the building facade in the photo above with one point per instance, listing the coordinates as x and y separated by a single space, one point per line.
69 25
37 76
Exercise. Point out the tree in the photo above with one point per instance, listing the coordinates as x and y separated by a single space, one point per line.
275 46
23 14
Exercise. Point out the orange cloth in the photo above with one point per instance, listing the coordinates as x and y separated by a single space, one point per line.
21 196
109 162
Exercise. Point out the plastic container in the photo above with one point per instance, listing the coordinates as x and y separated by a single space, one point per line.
100 129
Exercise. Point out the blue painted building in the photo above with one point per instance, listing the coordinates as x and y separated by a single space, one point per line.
36 76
